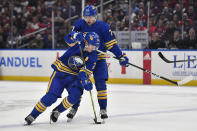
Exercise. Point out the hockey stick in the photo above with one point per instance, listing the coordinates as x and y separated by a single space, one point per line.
179 83
169 61
95 117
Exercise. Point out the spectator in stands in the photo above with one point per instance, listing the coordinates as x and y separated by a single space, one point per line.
3 37
135 26
160 28
15 43
176 21
47 41
156 42
28 29
38 13
152 26
121 15
178 11
36 43
142 17
191 14
187 23
167 15
2 43
191 39
168 36
176 42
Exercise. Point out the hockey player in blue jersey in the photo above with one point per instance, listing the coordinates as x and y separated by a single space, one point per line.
107 42
71 72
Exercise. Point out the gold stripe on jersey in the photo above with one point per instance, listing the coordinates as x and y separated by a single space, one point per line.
101 56
63 68
51 79
110 41
66 103
87 71
110 44
72 44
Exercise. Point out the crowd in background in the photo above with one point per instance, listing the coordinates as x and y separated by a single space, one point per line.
172 24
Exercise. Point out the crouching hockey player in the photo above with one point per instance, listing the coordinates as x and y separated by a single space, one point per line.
71 72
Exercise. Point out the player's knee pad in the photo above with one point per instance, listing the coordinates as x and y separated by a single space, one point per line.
49 99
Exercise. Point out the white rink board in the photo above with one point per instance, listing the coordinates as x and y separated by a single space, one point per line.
26 62
135 57
176 71
39 64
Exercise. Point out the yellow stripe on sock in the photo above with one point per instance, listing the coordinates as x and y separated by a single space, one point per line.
38 109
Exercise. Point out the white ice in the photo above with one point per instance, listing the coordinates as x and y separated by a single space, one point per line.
130 108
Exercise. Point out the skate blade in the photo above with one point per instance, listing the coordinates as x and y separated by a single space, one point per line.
69 120
103 121
26 124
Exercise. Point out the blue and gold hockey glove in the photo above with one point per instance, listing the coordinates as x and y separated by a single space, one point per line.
85 82
77 36
124 60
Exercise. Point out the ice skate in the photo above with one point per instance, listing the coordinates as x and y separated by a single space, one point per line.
71 114
103 114
29 119
54 115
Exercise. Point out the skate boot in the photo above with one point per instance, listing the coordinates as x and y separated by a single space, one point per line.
29 119
54 115
72 113
103 114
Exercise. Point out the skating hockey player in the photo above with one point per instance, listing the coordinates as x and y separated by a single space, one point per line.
107 42
71 72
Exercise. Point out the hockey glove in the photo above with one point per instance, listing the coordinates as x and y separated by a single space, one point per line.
124 60
77 36
85 82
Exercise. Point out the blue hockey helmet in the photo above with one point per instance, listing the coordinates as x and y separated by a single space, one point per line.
89 11
93 39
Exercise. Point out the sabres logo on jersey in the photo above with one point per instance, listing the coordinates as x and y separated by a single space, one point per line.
75 62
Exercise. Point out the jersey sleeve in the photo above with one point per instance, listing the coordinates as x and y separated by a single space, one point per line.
68 39
90 62
111 42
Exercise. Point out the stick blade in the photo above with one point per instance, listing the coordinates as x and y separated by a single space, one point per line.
97 122
164 59
184 81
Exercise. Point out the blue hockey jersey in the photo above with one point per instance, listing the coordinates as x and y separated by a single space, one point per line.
71 61
107 39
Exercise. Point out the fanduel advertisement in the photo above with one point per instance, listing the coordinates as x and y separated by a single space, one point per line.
32 62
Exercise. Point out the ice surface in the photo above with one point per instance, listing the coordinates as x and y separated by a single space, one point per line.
130 108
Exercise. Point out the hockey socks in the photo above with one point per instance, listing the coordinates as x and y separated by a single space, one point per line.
64 105
46 101
102 99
